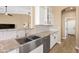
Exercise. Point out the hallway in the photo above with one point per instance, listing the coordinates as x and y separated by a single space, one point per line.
66 46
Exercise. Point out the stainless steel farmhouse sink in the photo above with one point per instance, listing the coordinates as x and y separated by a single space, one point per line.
29 43
23 40
27 39
33 41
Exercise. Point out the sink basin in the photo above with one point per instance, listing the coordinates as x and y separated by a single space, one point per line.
33 37
34 43
23 40
28 39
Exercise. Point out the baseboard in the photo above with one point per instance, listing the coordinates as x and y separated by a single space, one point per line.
53 46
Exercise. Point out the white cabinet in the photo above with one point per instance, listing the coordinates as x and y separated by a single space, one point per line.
10 34
16 9
14 51
53 39
7 34
1 35
42 16
2 9
38 49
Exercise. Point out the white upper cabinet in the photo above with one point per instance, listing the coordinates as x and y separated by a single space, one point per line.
42 16
2 9
16 9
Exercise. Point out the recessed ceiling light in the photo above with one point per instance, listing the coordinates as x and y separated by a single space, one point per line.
71 7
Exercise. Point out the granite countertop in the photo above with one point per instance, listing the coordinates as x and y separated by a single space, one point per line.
43 34
8 45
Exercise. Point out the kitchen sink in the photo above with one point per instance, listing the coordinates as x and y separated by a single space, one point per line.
30 45
33 37
28 39
23 40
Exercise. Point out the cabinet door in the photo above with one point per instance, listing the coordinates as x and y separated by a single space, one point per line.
1 35
50 18
43 16
53 39
18 9
37 18
8 34
38 49
46 16
2 9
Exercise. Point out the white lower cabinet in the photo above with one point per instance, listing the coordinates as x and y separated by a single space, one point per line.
38 49
53 39
14 51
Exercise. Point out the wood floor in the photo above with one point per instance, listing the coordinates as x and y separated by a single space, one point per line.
66 46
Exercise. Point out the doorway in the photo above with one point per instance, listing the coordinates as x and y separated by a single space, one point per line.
68 31
68 22
70 27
